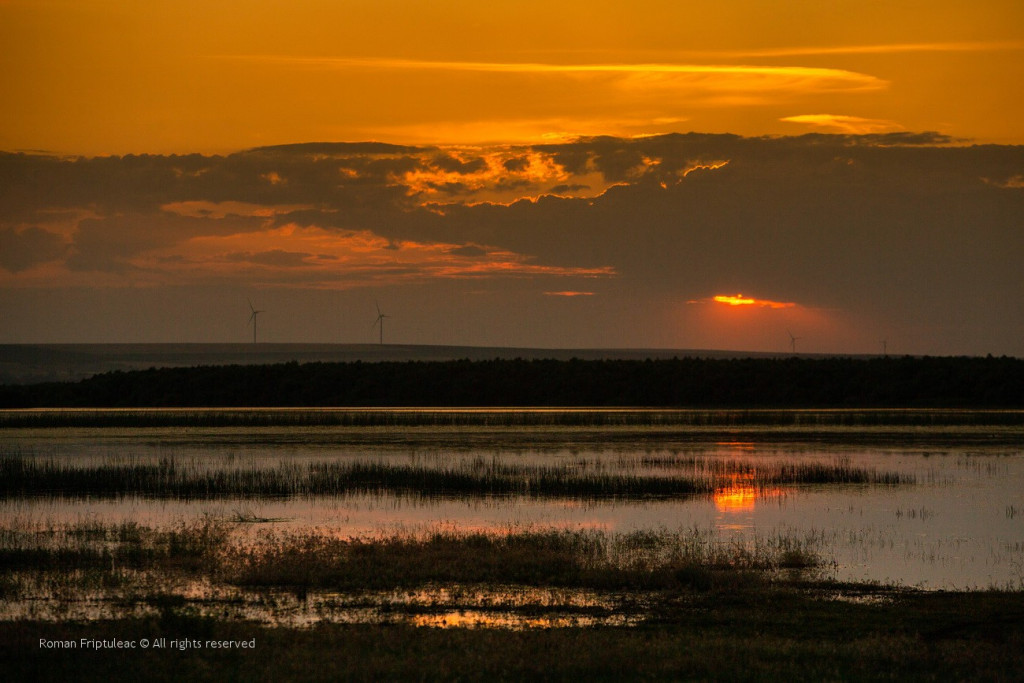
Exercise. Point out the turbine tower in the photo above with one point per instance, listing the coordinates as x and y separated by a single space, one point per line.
252 319
885 347
792 341
380 321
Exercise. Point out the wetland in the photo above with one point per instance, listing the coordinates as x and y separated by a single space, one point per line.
595 525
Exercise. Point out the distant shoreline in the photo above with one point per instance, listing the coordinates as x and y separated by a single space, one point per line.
36 363
688 382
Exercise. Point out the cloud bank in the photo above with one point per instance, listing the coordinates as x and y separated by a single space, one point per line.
593 242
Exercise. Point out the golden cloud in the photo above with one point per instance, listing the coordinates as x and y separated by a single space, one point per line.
884 48
320 257
850 125
690 77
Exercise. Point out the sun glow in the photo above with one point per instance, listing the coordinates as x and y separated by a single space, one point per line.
740 300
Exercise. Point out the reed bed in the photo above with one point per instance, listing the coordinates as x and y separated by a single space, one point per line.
509 417
114 547
22 477
647 560
838 472
314 559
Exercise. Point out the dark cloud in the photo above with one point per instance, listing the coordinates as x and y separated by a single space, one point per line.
512 183
22 249
446 162
338 149
451 188
892 139
274 257
559 189
107 244
516 164
904 227
469 250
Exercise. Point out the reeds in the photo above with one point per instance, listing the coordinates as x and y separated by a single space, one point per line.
508 417
114 547
309 559
22 477
575 558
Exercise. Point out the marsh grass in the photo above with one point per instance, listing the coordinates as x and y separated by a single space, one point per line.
772 472
311 560
505 417
92 545
22 477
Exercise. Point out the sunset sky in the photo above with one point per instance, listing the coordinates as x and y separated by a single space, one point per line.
724 174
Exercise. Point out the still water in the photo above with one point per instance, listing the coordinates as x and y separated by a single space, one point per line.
957 522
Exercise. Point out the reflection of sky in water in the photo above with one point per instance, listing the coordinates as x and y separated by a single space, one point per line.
960 526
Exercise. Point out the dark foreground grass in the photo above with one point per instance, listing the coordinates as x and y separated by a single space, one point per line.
709 612
745 635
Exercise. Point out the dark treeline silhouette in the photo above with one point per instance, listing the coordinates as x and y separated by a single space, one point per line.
962 382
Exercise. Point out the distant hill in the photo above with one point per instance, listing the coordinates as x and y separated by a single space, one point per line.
35 363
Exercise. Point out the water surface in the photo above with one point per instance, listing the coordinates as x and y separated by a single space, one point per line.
958 524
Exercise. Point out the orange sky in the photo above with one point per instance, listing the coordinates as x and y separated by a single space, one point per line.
532 194
111 77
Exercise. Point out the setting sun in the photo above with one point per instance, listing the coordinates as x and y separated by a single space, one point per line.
740 300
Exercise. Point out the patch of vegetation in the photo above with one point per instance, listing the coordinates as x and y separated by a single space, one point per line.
694 382
761 634
309 560
28 477
636 561
191 547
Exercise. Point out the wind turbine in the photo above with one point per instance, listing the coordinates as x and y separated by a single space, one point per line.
380 321
252 319
885 347
792 341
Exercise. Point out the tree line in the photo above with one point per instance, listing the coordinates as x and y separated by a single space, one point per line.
947 382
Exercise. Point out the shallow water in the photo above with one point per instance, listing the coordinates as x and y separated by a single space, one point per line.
501 607
960 524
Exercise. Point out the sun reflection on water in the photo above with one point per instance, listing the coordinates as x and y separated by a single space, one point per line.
739 495
513 621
